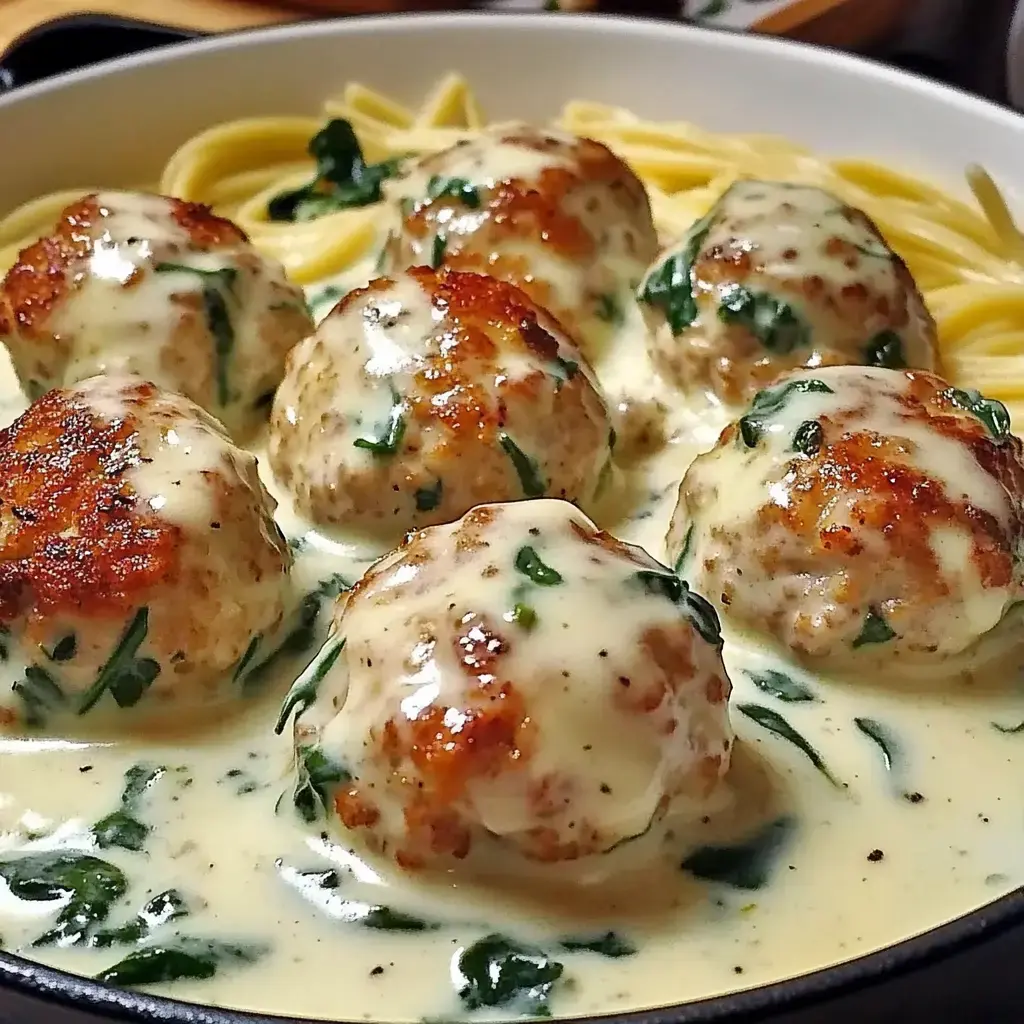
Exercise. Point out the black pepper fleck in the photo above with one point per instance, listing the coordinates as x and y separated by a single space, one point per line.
875 856
85 768
913 798
605 788
377 970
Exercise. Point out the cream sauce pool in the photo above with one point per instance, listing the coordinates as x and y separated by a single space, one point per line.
848 861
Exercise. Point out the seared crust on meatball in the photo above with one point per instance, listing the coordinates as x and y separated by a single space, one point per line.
775 277
561 217
146 284
516 676
139 559
423 395
862 515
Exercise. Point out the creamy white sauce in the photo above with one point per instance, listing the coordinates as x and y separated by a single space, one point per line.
830 896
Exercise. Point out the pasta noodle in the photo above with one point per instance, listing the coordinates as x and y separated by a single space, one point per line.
968 258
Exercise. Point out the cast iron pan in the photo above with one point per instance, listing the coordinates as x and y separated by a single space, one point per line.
970 971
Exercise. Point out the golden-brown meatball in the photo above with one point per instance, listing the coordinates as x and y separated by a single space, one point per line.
139 560
143 284
775 277
424 395
864 519
561 217
516 676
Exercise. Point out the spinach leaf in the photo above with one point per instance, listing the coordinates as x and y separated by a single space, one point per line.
991 413
428 498
874 631
320 887
747 864
438 248
669 286
454 188
611 944
40 694
124 676
316 775
495 971
687 545
522 615
217 286
304 690
122 828
883 739
770 401
775 723
808 438
91 887
390 437
775 324
885 349
781 686
343 177
669 586
298 639
530 480
184 958
1008 730
609 309
529 563
160 910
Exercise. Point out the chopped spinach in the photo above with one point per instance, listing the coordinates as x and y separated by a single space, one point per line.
885 349
390 437
523 616
89 885
882 738
687 545
184 958
298 639
808 438
122 828
781 686
775 723
320 887
746 864
316 774
218 285
775 324
124 676
669 286
437 250
428 498
343 177
1008 730
874 631
669 586
303 691
40 694
64 649
769 401
454 188
611 944
160 910
609 309
526 469
330 294
497 972
529 563
991 412
565 370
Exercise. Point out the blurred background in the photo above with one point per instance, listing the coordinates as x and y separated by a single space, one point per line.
961 42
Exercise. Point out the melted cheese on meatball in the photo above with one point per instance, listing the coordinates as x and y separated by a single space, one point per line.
518 676
136 283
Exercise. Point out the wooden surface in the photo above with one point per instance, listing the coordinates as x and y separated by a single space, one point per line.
847 23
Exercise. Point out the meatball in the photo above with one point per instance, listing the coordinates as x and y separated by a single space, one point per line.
521 675
139 561
135 283
863 518
426 394
559 216
779 276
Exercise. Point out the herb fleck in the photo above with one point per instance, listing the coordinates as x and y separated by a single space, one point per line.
874 631
885 349
529 563
781 686
530 480
775 723
453 188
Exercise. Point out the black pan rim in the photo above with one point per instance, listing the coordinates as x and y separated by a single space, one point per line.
63 989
